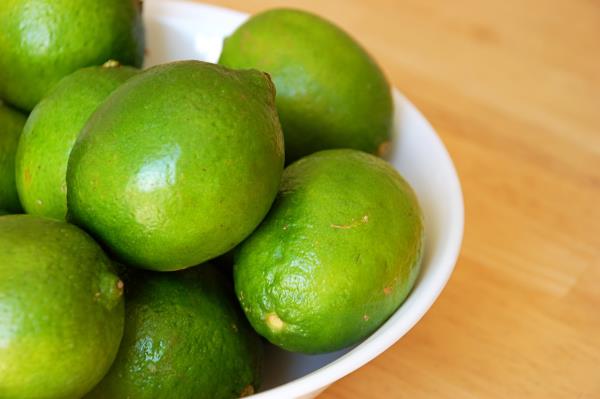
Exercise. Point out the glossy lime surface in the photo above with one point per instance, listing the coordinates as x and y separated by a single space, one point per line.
179 164
61 310
42 41
330 92
338 253
51 131
185 338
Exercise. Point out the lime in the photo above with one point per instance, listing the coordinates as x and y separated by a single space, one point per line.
61 310
178 165
41 41
330 92
336 256
185 338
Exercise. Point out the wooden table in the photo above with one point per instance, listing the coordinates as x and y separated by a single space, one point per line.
513 89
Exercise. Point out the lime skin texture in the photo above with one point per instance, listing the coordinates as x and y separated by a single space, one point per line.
337 254
11 125
51 131
61 310
41 41
178 165
186 338
330 92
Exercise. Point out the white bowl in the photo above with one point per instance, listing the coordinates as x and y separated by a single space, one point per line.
179 30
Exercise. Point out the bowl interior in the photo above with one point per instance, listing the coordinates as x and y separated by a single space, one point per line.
178 30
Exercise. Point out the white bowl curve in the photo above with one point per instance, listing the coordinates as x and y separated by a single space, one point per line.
178 30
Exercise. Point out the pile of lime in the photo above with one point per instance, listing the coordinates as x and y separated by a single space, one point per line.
131 180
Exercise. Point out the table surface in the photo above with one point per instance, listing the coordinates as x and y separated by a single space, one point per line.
513 89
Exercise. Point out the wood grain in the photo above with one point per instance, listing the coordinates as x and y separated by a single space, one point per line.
513 88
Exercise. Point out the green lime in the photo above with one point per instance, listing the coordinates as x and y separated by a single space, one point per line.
185 338
61 310
330 92
336 256
41 41
51 131
11 125
178 165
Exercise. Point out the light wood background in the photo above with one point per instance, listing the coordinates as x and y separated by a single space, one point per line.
513 89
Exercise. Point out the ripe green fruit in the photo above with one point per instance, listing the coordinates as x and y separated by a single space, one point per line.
178 165
41 41
61 310
185 338
11 125
51 131
330 92
337 254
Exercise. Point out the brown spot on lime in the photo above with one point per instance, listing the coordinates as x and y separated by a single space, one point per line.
234 327
366 317
387 290
247 391
27 174
274 322
384 148
120 287
285 226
